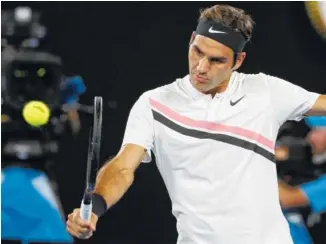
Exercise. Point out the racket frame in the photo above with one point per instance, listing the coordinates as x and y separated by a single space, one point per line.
93 159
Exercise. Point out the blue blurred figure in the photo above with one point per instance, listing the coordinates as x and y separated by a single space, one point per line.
316 121
29 206
72 87
312 193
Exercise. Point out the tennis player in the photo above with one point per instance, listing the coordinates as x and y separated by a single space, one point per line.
213 134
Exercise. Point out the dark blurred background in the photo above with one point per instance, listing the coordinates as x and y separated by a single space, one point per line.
122 49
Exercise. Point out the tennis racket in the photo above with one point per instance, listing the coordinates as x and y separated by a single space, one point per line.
93 160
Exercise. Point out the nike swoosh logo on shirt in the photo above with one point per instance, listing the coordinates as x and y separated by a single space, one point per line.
235 102
216 31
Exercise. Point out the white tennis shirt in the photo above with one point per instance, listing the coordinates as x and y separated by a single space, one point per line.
216 155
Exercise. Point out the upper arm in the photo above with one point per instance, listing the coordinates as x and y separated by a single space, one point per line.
140 127
137 140
289 101
130 157
319 107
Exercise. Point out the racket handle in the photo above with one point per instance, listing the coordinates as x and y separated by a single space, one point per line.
86 211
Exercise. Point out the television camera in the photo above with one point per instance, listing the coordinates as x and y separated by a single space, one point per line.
32 74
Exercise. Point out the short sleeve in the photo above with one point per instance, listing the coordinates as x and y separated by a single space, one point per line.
316 194
290 101
139 128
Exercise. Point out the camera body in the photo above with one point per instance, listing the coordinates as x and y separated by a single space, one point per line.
300 165
28 74
31 75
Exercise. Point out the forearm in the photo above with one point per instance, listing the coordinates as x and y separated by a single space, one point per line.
113 181
292 197
319 108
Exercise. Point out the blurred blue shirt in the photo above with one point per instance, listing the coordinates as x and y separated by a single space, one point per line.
316 194
29 211
316 121
71 89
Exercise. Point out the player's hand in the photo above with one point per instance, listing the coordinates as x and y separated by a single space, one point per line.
80 228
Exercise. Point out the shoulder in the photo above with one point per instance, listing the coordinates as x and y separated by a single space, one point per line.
259 82
259 79
165 92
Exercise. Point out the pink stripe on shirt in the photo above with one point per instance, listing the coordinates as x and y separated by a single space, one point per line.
169 113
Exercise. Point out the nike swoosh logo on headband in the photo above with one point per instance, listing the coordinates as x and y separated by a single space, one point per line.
215 31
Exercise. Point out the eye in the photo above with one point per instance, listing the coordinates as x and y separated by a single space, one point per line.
197 51
217 60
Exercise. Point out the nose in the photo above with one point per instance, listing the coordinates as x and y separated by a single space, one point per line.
203 65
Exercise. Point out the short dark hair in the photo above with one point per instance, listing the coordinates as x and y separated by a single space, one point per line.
235 18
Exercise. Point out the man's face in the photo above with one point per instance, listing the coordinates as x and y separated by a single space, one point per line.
210 63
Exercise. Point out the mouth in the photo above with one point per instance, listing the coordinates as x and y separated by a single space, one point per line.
200 79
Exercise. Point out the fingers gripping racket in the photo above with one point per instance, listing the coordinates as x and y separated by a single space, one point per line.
93 160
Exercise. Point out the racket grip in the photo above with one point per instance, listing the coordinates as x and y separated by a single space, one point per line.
86 211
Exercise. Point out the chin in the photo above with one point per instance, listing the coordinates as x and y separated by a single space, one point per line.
204 88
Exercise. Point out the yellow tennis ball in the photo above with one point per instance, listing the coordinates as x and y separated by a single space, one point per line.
36 113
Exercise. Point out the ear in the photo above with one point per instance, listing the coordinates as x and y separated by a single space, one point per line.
240 58
192 38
